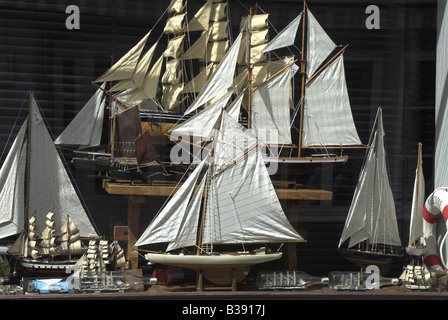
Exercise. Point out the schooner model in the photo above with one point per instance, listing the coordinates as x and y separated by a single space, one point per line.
229 199
37 195
370 234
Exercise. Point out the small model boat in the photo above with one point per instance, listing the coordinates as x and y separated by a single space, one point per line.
371 226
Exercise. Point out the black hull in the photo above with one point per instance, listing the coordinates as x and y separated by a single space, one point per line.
115 169
366 258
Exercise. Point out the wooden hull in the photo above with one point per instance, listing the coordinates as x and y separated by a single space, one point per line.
218 269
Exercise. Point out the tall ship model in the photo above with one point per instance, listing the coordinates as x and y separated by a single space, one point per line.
40 203
201 66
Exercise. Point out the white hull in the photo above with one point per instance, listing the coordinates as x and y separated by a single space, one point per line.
219 269
197 262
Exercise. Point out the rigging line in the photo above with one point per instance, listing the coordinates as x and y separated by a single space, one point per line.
240 227
243 5
15 123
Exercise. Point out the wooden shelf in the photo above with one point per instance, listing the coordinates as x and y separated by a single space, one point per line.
129 188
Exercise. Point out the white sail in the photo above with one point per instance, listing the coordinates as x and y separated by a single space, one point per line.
233 142
327 118
86 127
319 45
12 182
199 81
124 68
47 244
175 47
372 212
234 108
418 201
176 6
221 79
285 37
242 205
200 126
176 215
175 24
270 110
49 183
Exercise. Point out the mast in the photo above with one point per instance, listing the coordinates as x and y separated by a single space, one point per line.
303 72
249 69
201 227
28 166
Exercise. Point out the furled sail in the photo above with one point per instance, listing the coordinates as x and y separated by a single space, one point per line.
85 129
319 45
285 37
327 118
176 6
33 249
69 237
47 244
372 213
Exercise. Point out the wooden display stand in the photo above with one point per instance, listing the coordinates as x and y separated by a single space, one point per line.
200 284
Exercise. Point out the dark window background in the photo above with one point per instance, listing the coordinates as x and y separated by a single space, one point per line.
393 67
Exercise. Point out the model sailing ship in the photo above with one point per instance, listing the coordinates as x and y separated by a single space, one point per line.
37 195
227 200
266 85
259 82
416 245
371 227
